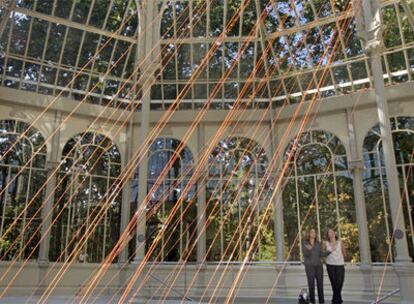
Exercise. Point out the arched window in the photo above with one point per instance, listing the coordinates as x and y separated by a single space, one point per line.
318 192
176 241
90 169
375 185
237 196
21 176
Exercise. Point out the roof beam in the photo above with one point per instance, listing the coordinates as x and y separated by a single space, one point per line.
310 25
75 25
322 21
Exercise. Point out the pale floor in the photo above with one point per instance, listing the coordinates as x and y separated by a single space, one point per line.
109 300
67 300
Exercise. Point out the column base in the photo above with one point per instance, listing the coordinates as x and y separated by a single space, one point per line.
43 262
201 280
405 272
368 288
281 290
136 261
42 282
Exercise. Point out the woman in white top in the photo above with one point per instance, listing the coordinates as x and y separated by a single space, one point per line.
335 265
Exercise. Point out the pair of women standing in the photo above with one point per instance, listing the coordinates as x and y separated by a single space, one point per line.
314 252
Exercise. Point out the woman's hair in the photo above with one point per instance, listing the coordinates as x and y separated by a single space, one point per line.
327 233
307 234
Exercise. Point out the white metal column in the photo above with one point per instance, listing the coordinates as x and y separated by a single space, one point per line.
356 166
201 200
146 57
369 21
47 208
126 194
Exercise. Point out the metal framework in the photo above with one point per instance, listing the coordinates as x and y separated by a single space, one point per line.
237 168
318 191
45 43
375 183
178 236
88 50
82 187
25 183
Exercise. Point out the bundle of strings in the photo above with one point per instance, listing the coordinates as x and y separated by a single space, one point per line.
235 118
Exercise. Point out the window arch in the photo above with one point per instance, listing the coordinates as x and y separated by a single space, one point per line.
237 193
18 186
318 191
91 166
177 241
375 185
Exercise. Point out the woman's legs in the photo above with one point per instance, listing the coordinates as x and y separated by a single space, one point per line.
319 282
310 275
340 282
333 279
336 276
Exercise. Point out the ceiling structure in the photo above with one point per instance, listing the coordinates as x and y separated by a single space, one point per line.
89 50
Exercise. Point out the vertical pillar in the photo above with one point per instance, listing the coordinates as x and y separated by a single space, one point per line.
281 289
142 183
279 226
46 214
201 200
149 35
369 16
278 216
356 166
201 213
126 195
146 80
47 208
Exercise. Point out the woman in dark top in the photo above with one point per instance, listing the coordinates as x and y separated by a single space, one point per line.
312 253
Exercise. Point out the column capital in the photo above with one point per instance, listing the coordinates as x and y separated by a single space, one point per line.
202 266
368 21
43 262
354 164
277 173
202 173
51 165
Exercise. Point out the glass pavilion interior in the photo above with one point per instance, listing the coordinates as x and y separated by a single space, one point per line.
157 149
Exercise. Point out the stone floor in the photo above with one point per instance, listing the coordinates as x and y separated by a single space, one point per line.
67 300
109 300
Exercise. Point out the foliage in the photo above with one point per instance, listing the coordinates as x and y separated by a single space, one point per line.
19 206
376 187
87 175
175 233
239 215
318 193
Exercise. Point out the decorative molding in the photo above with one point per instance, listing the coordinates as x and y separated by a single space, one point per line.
51 165
19 115
369 31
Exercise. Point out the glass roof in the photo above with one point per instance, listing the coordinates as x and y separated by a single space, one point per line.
295 46
47 42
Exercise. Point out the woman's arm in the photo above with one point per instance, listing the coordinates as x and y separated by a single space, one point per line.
324 251
343 249
306 249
